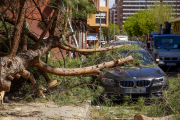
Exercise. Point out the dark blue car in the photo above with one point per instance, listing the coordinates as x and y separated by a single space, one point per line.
128 42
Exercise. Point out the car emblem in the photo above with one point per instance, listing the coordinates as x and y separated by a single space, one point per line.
134 77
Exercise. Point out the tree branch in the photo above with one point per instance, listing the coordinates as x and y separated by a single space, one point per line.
46 77
35 86
91 50
80 71
4 12
43 19
18 29
28 33
45 31
23 38
51 32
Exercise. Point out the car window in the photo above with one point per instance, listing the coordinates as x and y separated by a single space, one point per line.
143 57
167 42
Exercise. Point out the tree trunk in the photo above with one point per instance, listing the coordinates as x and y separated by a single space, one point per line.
143 117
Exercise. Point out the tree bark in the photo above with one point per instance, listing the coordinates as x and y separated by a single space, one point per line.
80 71
35 86
91 50
18 29
23 38
44 75
143 117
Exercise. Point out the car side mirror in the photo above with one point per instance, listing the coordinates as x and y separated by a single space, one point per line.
161 63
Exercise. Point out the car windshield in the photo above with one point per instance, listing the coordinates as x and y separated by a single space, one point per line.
167 42
142 57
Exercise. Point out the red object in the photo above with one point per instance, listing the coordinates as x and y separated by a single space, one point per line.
91 43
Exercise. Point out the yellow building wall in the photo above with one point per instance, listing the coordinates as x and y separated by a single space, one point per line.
92 21
176 27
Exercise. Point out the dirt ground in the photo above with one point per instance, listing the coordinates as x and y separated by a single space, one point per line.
42 111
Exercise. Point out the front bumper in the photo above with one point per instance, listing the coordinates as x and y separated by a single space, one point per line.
170 63
117 93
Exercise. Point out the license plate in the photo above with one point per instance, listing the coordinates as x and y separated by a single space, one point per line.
135 90
173 64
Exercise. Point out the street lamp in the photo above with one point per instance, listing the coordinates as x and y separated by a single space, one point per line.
100 11
114 24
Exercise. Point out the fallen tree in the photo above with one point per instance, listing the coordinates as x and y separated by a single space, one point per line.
20 57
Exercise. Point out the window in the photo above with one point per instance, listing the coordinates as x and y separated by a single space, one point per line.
103 18
103 3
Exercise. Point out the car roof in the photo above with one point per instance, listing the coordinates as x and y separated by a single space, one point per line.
167 35
140 50
128 42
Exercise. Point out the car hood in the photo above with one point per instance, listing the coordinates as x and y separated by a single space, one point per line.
138 72
168 52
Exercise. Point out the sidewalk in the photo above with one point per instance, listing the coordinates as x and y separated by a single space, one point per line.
43 111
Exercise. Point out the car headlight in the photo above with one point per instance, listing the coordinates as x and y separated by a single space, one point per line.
157 58
108 81
161 80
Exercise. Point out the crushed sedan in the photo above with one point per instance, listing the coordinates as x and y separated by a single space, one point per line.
144 79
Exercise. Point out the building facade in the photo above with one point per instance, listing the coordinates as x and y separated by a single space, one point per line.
112 14
94 23
125 8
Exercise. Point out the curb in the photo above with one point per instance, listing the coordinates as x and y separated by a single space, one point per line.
85 116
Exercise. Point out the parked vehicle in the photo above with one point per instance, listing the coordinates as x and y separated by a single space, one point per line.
165 47
121 38
145 79
128 42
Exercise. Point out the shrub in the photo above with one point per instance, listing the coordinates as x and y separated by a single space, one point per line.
170 101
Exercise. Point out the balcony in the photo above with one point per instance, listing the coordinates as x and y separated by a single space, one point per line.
133 1
152 1
129 13
168 1
132 9
134 5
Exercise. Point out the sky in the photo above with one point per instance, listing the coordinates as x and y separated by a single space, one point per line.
111 2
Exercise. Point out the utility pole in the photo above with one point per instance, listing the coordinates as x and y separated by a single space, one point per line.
100 11
100 30
114 24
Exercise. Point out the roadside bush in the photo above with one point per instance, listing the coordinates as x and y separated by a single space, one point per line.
170 101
